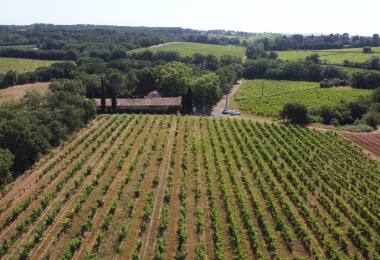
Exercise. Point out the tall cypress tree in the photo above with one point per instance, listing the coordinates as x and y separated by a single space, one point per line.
114 100
183 103
103 97
189 100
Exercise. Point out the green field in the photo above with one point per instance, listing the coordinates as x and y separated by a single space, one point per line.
21 47
336 56
278 93
22 65
190 48
257 36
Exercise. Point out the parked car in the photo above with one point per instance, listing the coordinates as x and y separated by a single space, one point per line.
226 111
234 112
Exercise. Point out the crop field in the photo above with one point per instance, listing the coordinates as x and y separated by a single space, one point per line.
190 48
331 56
278 93
257 36
370 142
22 65
21 47
164 187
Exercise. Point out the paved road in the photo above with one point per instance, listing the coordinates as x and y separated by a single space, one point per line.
218 109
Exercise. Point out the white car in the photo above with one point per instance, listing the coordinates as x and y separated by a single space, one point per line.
227 111
234 112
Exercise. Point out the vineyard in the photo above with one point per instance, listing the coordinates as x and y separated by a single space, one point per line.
277 93
22 65
331 56
189 49
20 47
164 187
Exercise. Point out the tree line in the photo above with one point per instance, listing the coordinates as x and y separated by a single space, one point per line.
134 76
321 42
29 128
265 65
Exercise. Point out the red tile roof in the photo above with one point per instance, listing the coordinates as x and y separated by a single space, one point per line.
142 102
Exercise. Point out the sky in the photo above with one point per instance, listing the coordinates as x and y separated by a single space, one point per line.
278 16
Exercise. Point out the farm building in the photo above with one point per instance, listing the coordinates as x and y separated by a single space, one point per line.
152 103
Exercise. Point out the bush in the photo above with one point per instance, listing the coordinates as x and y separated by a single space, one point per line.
357 128
334 122
295 112
326 83
372 118
335 82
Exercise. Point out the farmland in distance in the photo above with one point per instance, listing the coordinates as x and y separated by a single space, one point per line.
144 186
267 97
190 48
334 56
22 65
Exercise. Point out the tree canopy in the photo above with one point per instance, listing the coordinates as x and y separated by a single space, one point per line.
174 78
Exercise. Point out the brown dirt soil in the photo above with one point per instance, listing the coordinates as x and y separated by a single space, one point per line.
370 142
50 242
162 44
18 91
148 247
174 204
111 194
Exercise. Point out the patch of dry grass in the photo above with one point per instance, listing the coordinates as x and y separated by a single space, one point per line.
17 92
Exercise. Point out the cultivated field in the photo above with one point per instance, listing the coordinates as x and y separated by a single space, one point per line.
278 93
370 142
164 187
22 65
21 47
189 49
331 56
17 92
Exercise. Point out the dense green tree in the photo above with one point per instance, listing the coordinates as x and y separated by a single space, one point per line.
206 90
116 82
113 100
10 79
211 62
255 52
228 59
295 112
33 98
367 49
198 58
103 96
173 79
183 103
189 100
314 58
6 162
328 113
273 55
147 78
227 76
